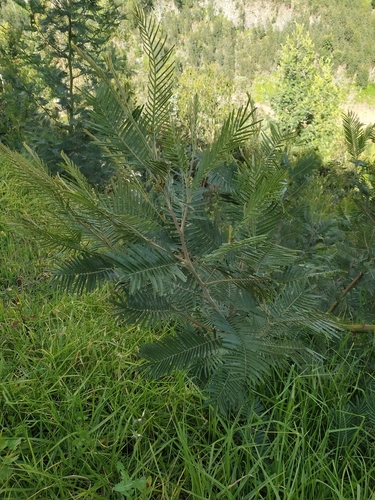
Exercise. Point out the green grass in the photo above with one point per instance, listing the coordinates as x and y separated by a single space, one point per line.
367 95
263 88
74 406
79 421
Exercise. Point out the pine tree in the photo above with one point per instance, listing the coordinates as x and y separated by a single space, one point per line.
44 67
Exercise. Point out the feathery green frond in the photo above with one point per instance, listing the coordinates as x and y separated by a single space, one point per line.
222 178
143 308
356 134
160 75
83 273
226 390
272 145
32 174
202 235
185 297
179 352
141 265
119 128
236 129
296 307
259 254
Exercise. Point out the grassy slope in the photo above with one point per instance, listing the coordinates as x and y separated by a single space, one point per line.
77 418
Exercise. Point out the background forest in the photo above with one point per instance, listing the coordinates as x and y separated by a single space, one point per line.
223 51
187 249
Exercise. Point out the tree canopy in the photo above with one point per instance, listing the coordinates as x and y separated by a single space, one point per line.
306 100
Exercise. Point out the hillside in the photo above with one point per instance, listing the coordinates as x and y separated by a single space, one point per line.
339 29
242 39
224 51
187 308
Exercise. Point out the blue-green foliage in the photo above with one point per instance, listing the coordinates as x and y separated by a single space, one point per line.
187 236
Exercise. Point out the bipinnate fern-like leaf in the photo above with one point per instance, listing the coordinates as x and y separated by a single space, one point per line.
129 132
144 309
271 145
356 134
160 74
113 123
226 389
139 266
84 272
202 235
179 352
295 310
237 128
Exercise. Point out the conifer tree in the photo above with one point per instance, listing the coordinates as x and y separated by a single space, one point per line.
44 67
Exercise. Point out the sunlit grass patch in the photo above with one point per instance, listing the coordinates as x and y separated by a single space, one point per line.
367 95
263 88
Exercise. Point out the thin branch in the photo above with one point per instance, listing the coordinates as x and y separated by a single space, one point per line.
347 289
371 215
360 328
186 260
192 320
238 280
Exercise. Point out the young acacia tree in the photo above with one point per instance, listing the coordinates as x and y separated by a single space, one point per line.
185 235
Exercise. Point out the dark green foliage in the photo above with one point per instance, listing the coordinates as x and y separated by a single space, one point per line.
38 62
332 222
185 235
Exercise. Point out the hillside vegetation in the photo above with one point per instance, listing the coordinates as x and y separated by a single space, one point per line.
224 50
187 297
244 37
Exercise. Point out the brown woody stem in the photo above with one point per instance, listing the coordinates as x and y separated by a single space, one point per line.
347 289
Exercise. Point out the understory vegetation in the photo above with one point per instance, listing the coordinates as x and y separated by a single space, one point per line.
194 317
79 420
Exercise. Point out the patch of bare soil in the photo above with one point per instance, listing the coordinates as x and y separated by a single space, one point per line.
365 112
